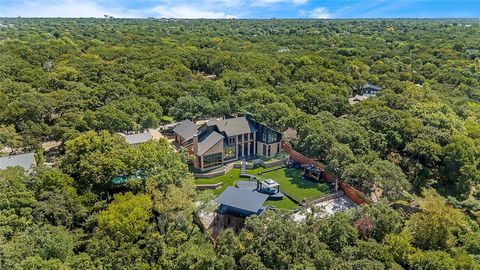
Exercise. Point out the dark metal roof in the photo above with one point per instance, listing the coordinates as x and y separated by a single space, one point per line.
26 161
243 199
208 142
138 138
233 126
186 129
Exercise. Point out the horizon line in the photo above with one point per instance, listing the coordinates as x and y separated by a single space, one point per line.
251 18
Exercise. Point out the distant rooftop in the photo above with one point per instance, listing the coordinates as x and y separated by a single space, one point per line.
372 86
137 138
26 161
186 129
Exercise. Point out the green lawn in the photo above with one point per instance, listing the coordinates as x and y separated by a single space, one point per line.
290 181
284 203
166 119
228 179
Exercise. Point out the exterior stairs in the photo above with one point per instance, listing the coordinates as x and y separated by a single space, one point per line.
243 169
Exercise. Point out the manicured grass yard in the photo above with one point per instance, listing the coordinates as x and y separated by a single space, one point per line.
228 179
285 203
290 181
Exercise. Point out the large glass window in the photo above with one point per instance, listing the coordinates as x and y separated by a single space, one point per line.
267 135
229 152
212 160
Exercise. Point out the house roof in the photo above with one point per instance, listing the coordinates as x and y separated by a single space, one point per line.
372 86
208 142
186 129
138 138
233 126
26 161
243 199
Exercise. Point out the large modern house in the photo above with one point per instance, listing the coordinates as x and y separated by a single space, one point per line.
219 141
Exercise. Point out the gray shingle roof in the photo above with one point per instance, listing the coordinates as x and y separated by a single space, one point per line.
26 161
233 126
186 129
138 138
208 142
243 199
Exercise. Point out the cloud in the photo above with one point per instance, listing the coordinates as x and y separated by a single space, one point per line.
189 12
273 2
63 8
320 13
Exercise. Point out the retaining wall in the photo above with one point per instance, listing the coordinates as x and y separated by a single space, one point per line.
213 174
208 186
250 166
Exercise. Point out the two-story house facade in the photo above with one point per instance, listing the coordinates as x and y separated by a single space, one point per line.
220 141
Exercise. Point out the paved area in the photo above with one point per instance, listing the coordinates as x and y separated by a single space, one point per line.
327 208
246 185
156 135
47 146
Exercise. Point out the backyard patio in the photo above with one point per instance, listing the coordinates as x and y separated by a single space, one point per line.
290 180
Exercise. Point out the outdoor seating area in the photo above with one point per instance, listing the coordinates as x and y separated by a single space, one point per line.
268 187
312 172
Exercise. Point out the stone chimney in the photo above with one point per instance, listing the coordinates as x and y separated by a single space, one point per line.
195 143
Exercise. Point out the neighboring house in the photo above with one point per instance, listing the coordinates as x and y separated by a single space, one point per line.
235 204
370 89
224 140
138 138
26 161
367 90
184 132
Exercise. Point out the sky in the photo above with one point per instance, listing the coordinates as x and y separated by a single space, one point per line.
240 9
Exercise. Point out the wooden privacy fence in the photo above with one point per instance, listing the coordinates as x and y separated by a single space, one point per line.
353 194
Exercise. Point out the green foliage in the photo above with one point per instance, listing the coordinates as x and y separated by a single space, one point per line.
94 159
76 80
438 226
126 217
431 260
337 232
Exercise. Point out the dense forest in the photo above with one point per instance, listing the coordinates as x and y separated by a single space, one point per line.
80 81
